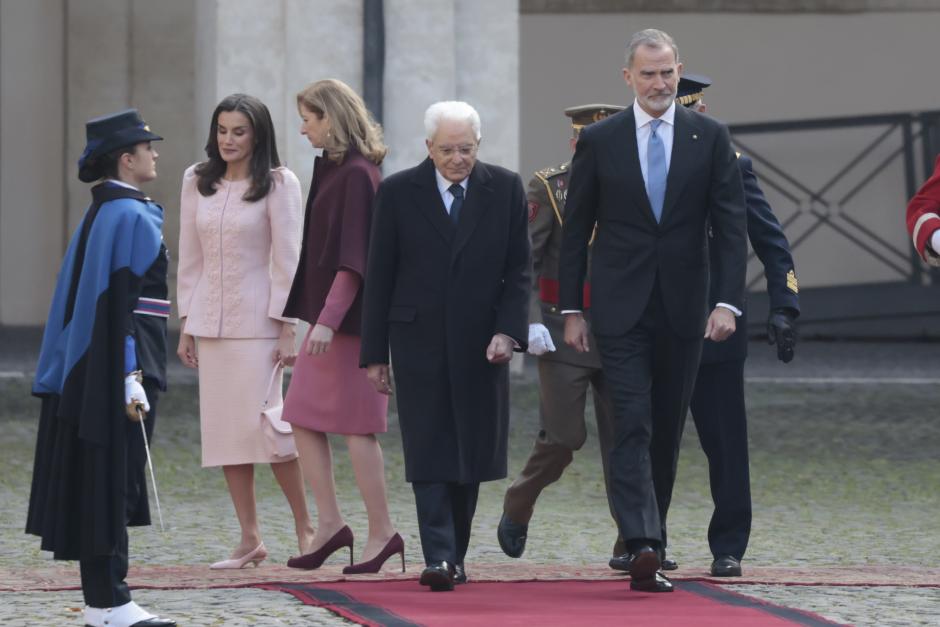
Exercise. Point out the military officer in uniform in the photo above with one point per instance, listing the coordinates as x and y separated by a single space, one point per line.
564 374
718 398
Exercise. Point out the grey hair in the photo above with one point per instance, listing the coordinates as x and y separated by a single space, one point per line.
653 38
454 110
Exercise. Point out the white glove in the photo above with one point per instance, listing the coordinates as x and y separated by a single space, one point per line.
134 392
540 340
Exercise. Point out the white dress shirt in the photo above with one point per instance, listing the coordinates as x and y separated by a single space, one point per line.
443 186
121 183
666 132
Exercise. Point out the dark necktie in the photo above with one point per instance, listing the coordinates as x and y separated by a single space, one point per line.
455 207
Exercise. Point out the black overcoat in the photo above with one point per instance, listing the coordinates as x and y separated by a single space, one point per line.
435 295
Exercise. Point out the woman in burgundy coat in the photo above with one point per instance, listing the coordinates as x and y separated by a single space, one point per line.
328 392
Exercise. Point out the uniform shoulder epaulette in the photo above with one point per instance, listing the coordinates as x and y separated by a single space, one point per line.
548 173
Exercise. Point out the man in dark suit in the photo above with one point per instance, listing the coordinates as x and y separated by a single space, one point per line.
651 178
447 291
718 398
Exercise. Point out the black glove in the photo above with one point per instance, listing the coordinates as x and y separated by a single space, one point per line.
781 330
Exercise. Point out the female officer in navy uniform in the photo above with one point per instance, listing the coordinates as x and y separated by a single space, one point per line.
103 354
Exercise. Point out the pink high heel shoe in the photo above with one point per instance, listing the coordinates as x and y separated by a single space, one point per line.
254 557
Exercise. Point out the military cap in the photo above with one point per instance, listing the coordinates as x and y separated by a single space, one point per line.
691 89
109 133
583 115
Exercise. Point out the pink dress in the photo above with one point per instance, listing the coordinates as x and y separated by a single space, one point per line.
329 392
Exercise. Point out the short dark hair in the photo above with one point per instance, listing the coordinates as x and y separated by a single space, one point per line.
109 162
263 156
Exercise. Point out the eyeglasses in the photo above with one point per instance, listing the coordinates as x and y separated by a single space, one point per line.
465 150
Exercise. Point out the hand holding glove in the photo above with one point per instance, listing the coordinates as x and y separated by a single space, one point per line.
134 395
781 330
540 340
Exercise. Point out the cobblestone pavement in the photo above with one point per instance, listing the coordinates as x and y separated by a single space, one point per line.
844 474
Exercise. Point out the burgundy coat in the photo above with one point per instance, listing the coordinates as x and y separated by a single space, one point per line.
336 236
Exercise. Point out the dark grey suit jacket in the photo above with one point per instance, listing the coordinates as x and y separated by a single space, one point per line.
632 250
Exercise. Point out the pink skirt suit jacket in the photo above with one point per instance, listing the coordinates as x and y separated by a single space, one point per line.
236 264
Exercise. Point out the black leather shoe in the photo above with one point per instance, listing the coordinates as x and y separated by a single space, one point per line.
657 583
644 563
460 575
726 566
511 536
620 562
439 576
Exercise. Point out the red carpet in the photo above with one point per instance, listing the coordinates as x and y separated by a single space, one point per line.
543 603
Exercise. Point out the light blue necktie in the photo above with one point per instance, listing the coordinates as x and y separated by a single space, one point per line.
656 171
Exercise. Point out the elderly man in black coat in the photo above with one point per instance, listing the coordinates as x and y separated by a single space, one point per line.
447 292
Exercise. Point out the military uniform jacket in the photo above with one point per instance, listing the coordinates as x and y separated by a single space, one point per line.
772 248
923 217
547 193
78 502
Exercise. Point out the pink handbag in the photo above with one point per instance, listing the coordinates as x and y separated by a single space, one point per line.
278 435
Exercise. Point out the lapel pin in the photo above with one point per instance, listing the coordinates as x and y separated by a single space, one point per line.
694 136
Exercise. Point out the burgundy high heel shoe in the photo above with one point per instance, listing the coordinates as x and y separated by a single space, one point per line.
309 561
374 565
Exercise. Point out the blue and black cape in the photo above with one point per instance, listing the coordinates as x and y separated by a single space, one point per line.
78 503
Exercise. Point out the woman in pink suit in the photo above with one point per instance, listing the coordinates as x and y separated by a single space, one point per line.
328 392
238 249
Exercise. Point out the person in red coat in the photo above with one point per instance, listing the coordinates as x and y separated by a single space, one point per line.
923 218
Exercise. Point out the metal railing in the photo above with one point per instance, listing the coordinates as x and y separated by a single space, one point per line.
897 138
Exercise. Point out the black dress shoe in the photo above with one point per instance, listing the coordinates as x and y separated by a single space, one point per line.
726 566
439 576
657 583
620 562
670 564
644 563
511 536
460 575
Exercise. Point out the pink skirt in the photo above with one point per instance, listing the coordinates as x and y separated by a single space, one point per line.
233 380
331 394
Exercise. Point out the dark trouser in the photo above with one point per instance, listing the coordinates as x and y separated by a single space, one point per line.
103 576
650 374
445 517
563 394
721 422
